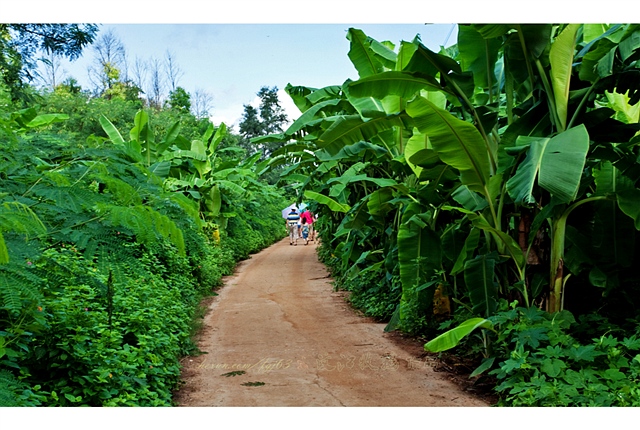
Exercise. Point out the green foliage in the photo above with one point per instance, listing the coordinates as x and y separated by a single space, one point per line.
268 118
539 363
180 100
502 169
20 43
102 267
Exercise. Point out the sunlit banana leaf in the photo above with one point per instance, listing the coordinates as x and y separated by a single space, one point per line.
111 130
561 59
403 84
556 162
350 129
452 338
478 55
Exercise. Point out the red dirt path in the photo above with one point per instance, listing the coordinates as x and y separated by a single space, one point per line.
300 344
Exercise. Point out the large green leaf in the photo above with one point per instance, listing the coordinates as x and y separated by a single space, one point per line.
504 240
381 182
220 133
214 202
629 45
403 84
161 168
628 197
4 253
111 130
140 131
419 251
46 119
169 139
470 245
350 129
427 62
452 338
557 163
458 143
313 112
325 200
353 152
361 54
479 276
469 200
299 95
378 203
366 106
478 55
561 59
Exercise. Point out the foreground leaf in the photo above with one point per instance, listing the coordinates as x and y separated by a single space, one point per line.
452 338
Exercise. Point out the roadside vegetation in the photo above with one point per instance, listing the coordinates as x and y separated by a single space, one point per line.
485 197
118 215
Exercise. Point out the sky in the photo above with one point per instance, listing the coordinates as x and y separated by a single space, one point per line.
232 62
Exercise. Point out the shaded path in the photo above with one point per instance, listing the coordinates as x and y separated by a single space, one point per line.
279 320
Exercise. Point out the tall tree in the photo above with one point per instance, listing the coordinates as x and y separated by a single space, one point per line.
52 74
139 72
250 125
180 100
272 114
109 57
269 118
20 43
156 84
174 73
201 103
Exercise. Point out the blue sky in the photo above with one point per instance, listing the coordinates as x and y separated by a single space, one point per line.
233 61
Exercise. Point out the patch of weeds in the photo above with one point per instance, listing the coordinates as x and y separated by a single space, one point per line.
234 373
253 384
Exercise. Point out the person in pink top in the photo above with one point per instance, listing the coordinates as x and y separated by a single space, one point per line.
308 217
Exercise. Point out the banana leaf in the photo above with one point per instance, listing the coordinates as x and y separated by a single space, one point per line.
325 200
111 130
556 162
458 143
561 59
452 338
402 84
350 129
479 276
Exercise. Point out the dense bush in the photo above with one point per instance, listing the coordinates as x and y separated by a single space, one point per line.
102 270
541 361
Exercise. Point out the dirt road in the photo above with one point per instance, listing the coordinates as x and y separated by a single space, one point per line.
278 335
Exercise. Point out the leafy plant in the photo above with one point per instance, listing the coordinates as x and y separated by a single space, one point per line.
474 170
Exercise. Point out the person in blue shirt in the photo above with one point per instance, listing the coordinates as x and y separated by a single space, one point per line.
292 226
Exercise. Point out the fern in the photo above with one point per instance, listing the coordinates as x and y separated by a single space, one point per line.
17 286
17 217
14 392
147 224
72 199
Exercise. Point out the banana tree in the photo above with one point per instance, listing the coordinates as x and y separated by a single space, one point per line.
496 145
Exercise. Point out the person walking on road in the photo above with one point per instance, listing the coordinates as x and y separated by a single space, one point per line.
308 217
292 226
304 229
